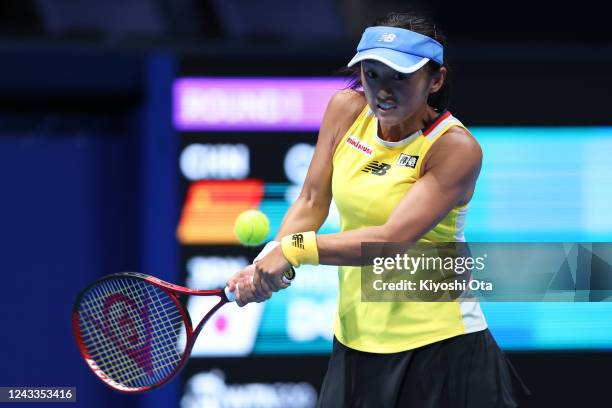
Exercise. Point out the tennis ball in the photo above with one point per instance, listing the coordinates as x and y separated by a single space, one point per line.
251 227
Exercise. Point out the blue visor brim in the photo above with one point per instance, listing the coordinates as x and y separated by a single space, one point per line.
397 60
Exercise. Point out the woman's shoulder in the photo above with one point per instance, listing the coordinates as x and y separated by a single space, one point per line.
457 143
346 105
343 109
459 138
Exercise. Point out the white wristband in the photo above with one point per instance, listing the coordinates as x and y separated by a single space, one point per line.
266 249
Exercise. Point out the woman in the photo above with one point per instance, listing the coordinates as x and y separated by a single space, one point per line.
400 168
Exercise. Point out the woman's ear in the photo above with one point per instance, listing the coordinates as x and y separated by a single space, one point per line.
437 80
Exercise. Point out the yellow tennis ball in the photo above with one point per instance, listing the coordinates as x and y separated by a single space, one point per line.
252 227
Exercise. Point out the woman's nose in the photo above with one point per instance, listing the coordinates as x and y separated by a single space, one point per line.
384 93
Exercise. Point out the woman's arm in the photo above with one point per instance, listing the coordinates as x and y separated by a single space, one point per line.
311 208
448 181
450 175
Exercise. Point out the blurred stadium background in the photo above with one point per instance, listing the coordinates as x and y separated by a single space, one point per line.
127 127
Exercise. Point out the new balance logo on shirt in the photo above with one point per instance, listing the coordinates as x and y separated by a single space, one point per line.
376 168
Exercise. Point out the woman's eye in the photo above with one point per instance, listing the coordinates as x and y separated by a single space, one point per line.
370 74
399 77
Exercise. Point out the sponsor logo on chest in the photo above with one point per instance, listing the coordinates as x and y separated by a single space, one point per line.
360 146
407 160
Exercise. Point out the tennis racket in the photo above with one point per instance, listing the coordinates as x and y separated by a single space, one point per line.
133 330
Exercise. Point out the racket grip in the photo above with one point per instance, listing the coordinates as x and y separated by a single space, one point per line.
231 296
288 276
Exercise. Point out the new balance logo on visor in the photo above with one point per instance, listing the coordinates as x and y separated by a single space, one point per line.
407 160
387 37
297 240
379 169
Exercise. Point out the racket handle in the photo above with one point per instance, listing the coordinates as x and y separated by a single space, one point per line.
288 275
231 296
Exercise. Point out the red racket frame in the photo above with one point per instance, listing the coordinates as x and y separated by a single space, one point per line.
174 292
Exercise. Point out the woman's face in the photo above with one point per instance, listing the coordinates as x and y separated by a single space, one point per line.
395 97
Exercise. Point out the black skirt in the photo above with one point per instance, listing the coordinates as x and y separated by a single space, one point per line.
466 371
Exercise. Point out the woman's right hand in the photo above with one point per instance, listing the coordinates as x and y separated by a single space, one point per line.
241 283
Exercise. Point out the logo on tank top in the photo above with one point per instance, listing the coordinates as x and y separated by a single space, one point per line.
359 145
377 168
407 160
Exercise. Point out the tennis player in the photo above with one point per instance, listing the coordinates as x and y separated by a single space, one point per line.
400 167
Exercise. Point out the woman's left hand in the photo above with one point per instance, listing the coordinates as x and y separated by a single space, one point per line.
269 271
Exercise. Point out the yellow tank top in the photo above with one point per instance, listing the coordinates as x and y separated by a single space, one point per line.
370 177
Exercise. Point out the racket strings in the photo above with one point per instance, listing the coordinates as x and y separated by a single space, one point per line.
105 355
169 351
166 355
108 357
143 361
131 330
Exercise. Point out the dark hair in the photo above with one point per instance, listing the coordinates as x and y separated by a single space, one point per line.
422 24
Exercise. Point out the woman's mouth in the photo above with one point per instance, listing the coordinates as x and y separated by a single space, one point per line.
385 106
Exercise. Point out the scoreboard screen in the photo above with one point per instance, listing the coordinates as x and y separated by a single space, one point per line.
247 143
